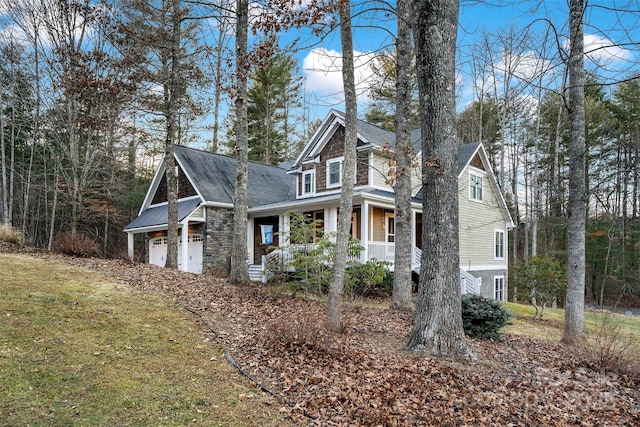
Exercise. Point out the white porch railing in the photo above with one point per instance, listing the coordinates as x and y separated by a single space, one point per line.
416 258
381 251
468 283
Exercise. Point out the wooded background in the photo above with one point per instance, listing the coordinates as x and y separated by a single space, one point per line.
84 98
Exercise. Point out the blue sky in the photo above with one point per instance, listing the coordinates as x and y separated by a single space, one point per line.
320 59
603 28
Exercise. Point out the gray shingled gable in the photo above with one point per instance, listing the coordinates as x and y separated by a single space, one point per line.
213 176
465 152
375 134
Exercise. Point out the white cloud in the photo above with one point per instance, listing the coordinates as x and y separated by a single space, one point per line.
602 49
323 69
524 66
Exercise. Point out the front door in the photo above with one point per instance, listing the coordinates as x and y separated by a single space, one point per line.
264 228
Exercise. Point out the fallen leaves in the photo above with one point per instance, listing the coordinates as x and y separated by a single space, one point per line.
363 376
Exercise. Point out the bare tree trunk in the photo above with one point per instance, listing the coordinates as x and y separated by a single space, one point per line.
54 206
401 298
239 268
574 306
438 319
35 136
334 302
172 117
3 165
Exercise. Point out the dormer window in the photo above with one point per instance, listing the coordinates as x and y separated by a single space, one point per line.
334 172
308 182
475 187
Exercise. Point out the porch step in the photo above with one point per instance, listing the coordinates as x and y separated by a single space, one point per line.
255 272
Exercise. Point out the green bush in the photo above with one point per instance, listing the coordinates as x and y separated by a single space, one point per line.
483 317
371 279
542 280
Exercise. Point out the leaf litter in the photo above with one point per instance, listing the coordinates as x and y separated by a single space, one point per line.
364 376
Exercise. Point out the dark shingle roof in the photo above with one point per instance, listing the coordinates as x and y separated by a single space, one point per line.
375 134
157 215
465 151
214 176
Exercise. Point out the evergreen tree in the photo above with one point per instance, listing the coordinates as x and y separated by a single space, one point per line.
274 94
382 109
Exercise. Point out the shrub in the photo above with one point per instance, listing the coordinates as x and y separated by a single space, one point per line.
541 280
297 332
609 349
483 317
9 234
79 245
372 279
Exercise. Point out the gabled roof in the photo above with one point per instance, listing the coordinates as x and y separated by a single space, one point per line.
367 134
466 152
374 135
214 178
157 215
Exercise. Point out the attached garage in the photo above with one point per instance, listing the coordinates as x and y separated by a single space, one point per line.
158 253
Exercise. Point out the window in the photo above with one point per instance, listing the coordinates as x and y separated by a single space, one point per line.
475 187
498 287
308 182
390 224
499 244
334 172
159 241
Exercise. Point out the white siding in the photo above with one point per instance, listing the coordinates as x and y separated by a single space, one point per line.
380 166
478 222
416 175
381 170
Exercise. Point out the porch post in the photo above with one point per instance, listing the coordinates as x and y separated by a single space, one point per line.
413 229
331 221
284 233
184 241
364 213
130 248
250 239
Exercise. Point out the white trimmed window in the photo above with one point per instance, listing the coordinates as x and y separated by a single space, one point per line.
499 243
334 172
308 182
498 288
390 227
475 187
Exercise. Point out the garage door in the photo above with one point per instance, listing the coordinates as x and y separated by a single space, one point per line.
195 253
158 251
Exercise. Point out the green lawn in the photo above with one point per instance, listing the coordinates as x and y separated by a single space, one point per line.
551 326
77 349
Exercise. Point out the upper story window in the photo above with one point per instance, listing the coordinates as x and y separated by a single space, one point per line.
308 182
475 187
334 172
499 244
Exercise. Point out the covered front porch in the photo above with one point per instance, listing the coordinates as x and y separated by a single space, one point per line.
372 224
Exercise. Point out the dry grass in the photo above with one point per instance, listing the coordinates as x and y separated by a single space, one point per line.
78 349
9 234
